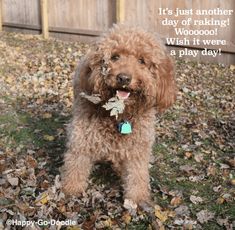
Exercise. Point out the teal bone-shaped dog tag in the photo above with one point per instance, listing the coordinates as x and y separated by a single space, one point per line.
124 127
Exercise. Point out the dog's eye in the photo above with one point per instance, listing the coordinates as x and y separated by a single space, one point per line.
141 61
115 57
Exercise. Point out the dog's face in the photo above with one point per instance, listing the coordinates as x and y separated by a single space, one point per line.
133 66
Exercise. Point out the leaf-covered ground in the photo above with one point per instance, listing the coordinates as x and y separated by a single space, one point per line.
192 168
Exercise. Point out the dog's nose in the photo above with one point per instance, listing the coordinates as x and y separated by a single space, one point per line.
123 79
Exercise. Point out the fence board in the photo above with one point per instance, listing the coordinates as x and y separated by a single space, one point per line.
0 15
83 14
21 11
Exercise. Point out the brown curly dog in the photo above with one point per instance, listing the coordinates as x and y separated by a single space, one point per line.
131 65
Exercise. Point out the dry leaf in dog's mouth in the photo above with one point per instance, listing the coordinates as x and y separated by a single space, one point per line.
115 105
94 98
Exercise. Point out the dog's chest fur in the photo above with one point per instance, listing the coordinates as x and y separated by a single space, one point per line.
101 134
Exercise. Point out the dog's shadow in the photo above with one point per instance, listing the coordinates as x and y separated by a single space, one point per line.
42 129
104 174
48 137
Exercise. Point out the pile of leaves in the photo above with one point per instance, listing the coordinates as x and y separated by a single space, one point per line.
192 167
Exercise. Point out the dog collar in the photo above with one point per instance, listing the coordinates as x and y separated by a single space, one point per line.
125 127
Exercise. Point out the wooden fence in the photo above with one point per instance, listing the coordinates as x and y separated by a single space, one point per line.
84 20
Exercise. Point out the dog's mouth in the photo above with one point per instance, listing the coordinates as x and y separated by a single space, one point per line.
122 94
126 94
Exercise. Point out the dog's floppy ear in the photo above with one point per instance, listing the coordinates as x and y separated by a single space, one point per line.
81 76
86 71
166 86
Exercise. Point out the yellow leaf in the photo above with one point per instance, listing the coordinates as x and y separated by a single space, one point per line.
232 67
232 182
47 115
108 223
126 218
220 200
161 215
9 80
48 138
43 198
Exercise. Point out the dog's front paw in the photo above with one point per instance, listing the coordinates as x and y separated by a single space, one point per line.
146 206
73 189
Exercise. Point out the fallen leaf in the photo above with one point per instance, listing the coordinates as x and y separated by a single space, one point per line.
231 162
188 155
42 199
31 162
217 188
187 168
222 222
47 115
130 206
211 170
14 181
49 137
182 211
196 199
5 202
224 166
220 200
163 215
175 201
198 158
232 67
187 224
228 197
89 223
197 178
232 182
185 90
204 216
126 218
94 98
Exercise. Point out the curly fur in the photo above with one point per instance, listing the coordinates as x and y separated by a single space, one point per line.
93 134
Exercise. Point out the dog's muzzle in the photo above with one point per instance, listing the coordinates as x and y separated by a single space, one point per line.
123 79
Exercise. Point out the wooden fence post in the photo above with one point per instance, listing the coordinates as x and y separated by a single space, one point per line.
44 18
120 11
1 15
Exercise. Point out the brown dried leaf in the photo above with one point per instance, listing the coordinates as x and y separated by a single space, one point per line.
126 217
47 115
14 181
31 162
204 216
94 98
175 201
188 155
